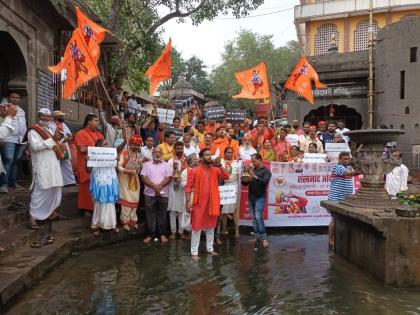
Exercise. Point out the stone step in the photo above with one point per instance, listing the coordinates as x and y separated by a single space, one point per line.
11 219
21 236
27 266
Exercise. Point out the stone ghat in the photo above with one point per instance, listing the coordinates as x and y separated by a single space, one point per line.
22 267
382 243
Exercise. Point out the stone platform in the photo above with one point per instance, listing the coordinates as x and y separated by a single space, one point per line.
385 245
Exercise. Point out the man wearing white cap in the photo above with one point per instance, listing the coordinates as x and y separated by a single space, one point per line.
63 136
47 181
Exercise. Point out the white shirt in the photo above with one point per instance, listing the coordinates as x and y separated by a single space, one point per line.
190 150
19 126
46 168
346 138
133 107
146 153
245 153
396 180
5 129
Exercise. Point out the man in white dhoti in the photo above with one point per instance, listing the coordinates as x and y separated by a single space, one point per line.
47 180
176 192
396 180
64 136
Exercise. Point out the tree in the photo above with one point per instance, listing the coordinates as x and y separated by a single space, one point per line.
137 24
245 51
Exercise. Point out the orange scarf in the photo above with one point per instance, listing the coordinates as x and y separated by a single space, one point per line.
201 174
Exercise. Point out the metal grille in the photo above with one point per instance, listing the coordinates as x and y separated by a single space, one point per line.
323 38
361 35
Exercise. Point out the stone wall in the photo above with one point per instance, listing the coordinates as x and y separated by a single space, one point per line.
32 25
392 109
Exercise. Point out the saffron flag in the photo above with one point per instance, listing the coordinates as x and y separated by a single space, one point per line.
300 81
161 69
92 33
79 64
254 83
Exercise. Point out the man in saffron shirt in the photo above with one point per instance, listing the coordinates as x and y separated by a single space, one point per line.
85 138
222 142
205 206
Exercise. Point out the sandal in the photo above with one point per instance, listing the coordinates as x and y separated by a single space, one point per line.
32 224
96 232
116 230
126 227
43 241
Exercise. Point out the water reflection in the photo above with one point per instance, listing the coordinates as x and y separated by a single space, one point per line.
296 275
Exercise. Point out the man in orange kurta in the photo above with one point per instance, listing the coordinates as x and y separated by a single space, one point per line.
205 206
222 142
86 137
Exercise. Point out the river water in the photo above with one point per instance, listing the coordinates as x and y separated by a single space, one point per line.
296 275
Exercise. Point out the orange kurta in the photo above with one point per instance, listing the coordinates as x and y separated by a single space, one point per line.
222 144
85 138
206 201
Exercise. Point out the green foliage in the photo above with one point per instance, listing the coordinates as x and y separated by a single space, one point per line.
246 50
136 23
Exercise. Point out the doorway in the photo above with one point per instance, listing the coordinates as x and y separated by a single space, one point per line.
352 119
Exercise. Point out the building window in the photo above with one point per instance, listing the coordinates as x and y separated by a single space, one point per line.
407 110
402 85
323 38
402 127
413 54
361 35
415 149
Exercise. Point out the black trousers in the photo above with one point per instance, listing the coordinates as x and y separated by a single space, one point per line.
156 209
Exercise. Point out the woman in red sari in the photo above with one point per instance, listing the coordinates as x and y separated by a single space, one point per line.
85 138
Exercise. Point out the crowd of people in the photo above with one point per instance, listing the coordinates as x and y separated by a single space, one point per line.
169 172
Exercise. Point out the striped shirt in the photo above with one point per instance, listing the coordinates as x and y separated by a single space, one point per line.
341 186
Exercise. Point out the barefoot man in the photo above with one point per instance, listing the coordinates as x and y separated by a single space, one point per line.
205 206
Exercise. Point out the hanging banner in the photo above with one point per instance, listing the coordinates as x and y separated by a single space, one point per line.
294 195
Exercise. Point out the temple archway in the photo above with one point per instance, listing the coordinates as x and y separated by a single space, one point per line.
13 71
352 119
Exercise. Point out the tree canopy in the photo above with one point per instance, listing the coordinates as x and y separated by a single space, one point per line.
245 51
137 24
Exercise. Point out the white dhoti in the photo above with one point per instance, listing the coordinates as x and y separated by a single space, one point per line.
104 216
44 202
67 171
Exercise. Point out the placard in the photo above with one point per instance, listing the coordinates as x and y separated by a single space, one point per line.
178 131
314 158
166 116
45 90
228 194
333 150
102 157
235 115
292 139
215 113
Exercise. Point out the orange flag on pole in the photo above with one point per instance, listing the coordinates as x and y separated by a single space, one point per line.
92 33
254 83
300 81
161 69
79 64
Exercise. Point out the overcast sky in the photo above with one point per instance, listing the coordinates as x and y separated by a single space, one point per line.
207 40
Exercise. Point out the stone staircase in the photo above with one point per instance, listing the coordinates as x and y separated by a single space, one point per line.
21 266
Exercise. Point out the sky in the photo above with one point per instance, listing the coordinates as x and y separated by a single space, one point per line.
207 40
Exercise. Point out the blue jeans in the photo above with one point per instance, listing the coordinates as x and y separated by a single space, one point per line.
256 208
11 153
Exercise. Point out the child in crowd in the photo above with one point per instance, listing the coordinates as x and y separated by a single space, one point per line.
104 190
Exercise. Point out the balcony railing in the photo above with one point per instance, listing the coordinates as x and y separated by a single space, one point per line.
340 8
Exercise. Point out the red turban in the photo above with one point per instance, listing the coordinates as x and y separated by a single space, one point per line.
136 140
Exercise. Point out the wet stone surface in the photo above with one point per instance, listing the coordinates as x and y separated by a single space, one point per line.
296 275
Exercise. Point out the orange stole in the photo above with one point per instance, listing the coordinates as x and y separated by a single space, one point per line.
214 208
